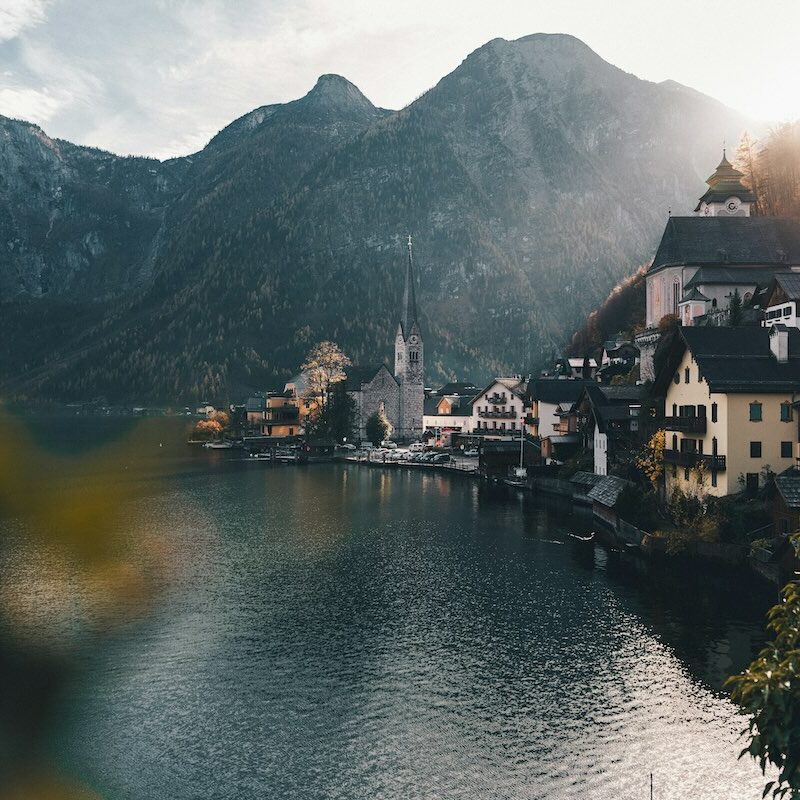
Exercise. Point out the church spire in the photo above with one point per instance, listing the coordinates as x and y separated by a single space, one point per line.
408 313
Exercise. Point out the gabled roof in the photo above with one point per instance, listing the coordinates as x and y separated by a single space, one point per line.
694 295
716 241
788 485
735 360
556 390
465 388
585 479
516 387
256 403
608 490
358 376
788 282
733 276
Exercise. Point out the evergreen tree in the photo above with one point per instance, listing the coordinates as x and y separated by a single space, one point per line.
378 428
735 308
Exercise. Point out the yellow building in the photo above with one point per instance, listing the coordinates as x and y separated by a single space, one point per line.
729 395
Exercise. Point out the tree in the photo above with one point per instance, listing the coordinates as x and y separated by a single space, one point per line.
337 421
378 428
207 429
735 308
745 162
324 366
769 692
651 460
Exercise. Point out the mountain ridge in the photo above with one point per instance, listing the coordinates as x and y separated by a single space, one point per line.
533 176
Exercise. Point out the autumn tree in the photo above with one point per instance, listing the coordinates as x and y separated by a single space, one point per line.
769 693
378 428
324 366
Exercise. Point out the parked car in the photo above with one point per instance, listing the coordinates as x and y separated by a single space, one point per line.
389 445
417 447
441 458
346 446
471 453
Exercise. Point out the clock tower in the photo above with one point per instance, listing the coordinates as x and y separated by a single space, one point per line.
727 196
409 359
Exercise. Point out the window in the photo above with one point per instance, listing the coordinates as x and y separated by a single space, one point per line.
755 449
713 302
786 412
701 412
686 375
786 449
676 378
674 410
713 412
755 411
674 441
413 355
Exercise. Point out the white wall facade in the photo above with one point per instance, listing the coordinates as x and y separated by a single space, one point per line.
501 414
600 452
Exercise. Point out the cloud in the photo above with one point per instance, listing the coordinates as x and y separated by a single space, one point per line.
17 15
159 77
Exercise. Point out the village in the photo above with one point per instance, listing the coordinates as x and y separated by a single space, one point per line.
683 436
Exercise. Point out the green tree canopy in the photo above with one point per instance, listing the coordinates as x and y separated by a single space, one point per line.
378 428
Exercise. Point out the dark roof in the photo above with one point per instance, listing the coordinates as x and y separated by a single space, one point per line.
585 479
408 314
607 490
429 406
256 403
788 485
623 392
694 294
735 359
358 376
733 276
750 241
556 390
789 282
724 183
465 388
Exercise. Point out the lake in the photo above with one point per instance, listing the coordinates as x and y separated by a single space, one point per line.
341 631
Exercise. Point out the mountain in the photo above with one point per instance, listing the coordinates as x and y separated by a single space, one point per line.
533 178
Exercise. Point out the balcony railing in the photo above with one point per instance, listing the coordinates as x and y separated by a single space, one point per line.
713 463
498 414
685 424
497 400
531 420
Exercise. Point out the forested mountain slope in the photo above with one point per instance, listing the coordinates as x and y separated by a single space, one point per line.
533 178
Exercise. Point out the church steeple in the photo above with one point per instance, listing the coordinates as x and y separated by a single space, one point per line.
408 313
726 195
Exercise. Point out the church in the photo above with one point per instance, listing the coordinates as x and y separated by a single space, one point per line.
400 396
704 259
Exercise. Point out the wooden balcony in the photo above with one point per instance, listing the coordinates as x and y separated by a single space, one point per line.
686 424
498 414
712 463
496 400
531 420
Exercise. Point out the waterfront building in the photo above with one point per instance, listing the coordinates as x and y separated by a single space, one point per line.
729 404
786 502
399 395
609 422
548 404
274 416
499 408
449 410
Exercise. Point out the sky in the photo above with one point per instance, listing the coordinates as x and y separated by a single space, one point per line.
160 77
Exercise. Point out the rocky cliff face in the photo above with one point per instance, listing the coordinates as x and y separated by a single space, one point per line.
533 177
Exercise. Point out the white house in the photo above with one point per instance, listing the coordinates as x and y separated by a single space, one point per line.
499 409
782 297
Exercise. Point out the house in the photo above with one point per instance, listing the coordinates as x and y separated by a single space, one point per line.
729 395
546 400
275 415
449 411
499 408
620 356
578 367
786 502
781 299
609 421
604 496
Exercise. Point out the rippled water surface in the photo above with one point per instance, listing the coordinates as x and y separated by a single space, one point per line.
338 631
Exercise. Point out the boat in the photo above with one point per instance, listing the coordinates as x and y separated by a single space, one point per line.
218 445
589 538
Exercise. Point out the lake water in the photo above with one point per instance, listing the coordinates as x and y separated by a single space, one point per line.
336 631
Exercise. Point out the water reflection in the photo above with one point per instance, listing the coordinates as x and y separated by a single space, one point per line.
341 631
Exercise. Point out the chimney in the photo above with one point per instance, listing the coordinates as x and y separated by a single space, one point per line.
779 343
